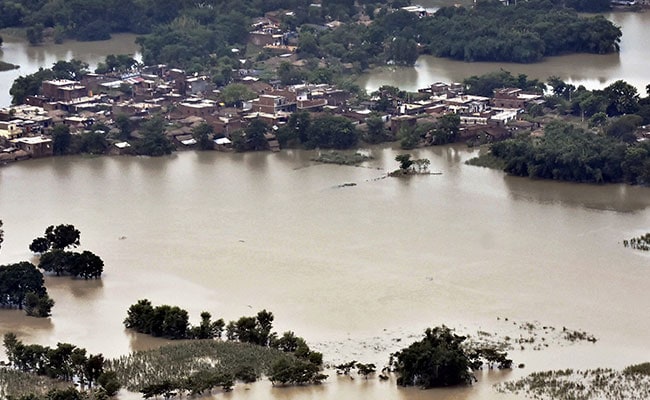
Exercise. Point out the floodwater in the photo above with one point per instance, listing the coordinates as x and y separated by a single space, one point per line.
30 58
591 70
352 269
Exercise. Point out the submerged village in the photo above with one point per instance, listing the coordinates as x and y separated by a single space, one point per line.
283 88
109 108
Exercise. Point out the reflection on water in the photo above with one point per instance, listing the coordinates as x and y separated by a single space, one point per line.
31 58
234 233
591 70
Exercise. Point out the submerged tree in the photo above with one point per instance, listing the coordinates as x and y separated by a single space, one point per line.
436 360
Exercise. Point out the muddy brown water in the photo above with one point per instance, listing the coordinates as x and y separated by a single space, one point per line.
352 269
591 70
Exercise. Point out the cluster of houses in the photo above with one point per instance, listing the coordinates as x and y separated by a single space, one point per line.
188 100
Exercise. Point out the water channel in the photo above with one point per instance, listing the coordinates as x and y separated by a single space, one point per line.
351 268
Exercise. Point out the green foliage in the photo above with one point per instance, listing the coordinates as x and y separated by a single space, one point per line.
19 280
109 383
329 131
63 236
61 139
623 127
193 361
568 153
404 161
65 362
29 85
163 321
154 142
484 85
83 265
203 134
38 305
116 63
235 93
376 131
71 70
622 98
436 360
35 34
295 372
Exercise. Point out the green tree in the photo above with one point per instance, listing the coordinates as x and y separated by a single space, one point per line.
255 131
17 280
29 85
236 93
376 132
331 131
63 236
61 139
71 70
405 162
436 360
123 123
109 382
203 134
623 98
35 34
154 142
86 265
38 305
57 261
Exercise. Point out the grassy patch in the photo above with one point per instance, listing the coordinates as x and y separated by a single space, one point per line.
180 360
337 157
16 383
592 384
487 160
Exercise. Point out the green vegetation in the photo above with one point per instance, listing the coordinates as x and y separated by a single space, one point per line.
325 131
177 364
436 360
639 243
18 384
21 286
632 383
172 322
442 358
55 259
336 157
408 166
524 32
571 154
65 362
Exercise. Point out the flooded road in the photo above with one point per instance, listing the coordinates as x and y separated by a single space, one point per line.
352 269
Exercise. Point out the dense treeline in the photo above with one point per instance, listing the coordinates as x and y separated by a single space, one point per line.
608 152
524 32
571 154
65 362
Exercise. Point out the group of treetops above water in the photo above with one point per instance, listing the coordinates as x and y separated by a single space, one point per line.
22 283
